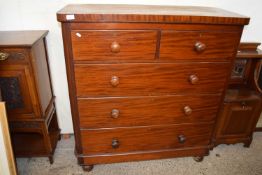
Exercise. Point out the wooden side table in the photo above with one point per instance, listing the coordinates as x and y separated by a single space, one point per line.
238 117
242 106
26 88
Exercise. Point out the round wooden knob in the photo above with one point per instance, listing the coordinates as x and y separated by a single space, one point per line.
200 47
115 113
115 144
193 79
244 105
115 47
114 81
181 139
187 110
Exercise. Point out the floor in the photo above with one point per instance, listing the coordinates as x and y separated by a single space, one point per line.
259 123
223 160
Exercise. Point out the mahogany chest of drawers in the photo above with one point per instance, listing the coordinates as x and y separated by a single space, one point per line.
146 82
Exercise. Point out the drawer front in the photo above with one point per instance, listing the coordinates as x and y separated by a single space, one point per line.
237 119
196 45
13 56
149 79
117 140
109 45
142 111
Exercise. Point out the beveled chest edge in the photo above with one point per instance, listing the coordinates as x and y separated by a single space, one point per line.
149 14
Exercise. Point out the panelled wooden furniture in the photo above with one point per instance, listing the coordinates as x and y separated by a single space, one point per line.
146 82
26 88
243 101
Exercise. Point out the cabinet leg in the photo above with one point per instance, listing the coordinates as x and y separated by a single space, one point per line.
51 159
88 168
247 144
198 158
59 137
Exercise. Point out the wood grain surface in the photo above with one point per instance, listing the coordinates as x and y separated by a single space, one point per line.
24 38
180 45
99 141
143 111
143 155
149 13
149 79
95 45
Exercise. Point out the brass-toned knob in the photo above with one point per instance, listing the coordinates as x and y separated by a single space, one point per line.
115 113
200 47
114 81
187 110
193 79
181 139
115 144
3 56
115 47
244 105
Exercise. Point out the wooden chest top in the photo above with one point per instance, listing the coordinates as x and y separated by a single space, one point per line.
149 13
21 38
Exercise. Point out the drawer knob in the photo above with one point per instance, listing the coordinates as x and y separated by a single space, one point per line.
193 79
3 56
181 138
200 47
187 110
115 113
244 104
115 143
114 81
115 47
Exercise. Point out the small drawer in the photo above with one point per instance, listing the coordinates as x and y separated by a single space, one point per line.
114 45
121 140
13 56
144 111
198 45
93 80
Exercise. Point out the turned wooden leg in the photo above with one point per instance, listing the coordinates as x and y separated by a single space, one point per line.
247 144
198 158
59 137
88 168
51 159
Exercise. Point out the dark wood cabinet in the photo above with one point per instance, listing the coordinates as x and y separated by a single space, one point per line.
146 82
242 105
15 88
26 88
238 117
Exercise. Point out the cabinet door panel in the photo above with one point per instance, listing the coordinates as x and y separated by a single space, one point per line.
15 90
238 119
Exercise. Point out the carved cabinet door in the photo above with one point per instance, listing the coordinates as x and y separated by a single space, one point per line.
238 119
17 91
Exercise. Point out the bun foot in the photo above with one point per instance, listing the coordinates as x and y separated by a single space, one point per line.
88 168
51 159
247 144
59 137
198 158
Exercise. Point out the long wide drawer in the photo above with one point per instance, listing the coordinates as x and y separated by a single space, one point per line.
108 45
198 45
116 140
149 79
142 111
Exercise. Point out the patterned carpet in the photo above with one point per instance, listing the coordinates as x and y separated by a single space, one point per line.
223 160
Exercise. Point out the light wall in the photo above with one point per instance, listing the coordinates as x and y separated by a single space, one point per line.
41 14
